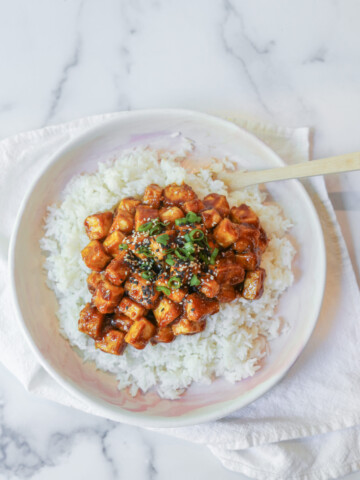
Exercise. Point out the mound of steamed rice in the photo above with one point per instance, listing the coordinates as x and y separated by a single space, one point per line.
232 344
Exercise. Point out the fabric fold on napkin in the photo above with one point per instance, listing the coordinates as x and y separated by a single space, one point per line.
306 426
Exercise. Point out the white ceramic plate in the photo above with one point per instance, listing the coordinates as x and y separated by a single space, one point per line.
36 304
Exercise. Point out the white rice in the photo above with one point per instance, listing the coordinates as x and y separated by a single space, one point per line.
233 341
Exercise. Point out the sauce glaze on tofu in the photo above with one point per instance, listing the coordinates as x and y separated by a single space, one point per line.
162 264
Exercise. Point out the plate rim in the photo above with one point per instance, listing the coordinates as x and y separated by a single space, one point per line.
117 413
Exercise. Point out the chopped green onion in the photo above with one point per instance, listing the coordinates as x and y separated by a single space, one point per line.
204 258
123 246
194 281
163 239
169 260
155 229
145 227
145 251
213 256
147 275
188 248
180 221
165 290
174 282
196 235
191 217
180 255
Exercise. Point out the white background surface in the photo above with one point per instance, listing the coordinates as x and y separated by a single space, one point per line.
292 63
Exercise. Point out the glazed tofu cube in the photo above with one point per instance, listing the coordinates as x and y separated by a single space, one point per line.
112 341
185 327
142 291
131 309
166 312
129 205
121 321
145 214
227 293
91 321
197 307
170 214
97 226
112 242
248 239
160 244
254 284
263 240
107 296
152 195
209 286
211 218
226 233
123 221
244 214
140 333
94 256
92 281
178 194
194 206
176 294
118 269
219 202
248 260
226 270
163 335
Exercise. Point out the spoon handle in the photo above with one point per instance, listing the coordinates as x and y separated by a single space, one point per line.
324 166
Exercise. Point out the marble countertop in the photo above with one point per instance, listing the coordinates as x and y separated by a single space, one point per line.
290 63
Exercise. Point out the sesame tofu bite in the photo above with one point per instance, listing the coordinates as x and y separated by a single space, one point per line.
162 265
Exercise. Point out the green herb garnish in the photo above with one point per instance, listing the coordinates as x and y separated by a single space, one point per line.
194 281
162 289
191 217
180 254
145 251
123 246
213 256
174 282
147 275
196 235
170 260
163 239
145 227
180 221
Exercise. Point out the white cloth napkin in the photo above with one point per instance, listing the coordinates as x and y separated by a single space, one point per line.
308 426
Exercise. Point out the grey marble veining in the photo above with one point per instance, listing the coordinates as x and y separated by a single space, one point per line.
292 63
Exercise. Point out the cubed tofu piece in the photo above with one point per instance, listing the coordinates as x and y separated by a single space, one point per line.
91 321
226 270
163 335
194 206
121 321
244 214
112 242
209 286
219 202
263 240
118 269
112 341
92 281
137 243
123 221
248 260
129 205
227 293
153 195
211 218
166 312
178 194
142 291
107 296
176 294
145 214
131 309
94 256
197 307
160 244
170 214
226 233
97 226
185 327
248 239
254 284
140 333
